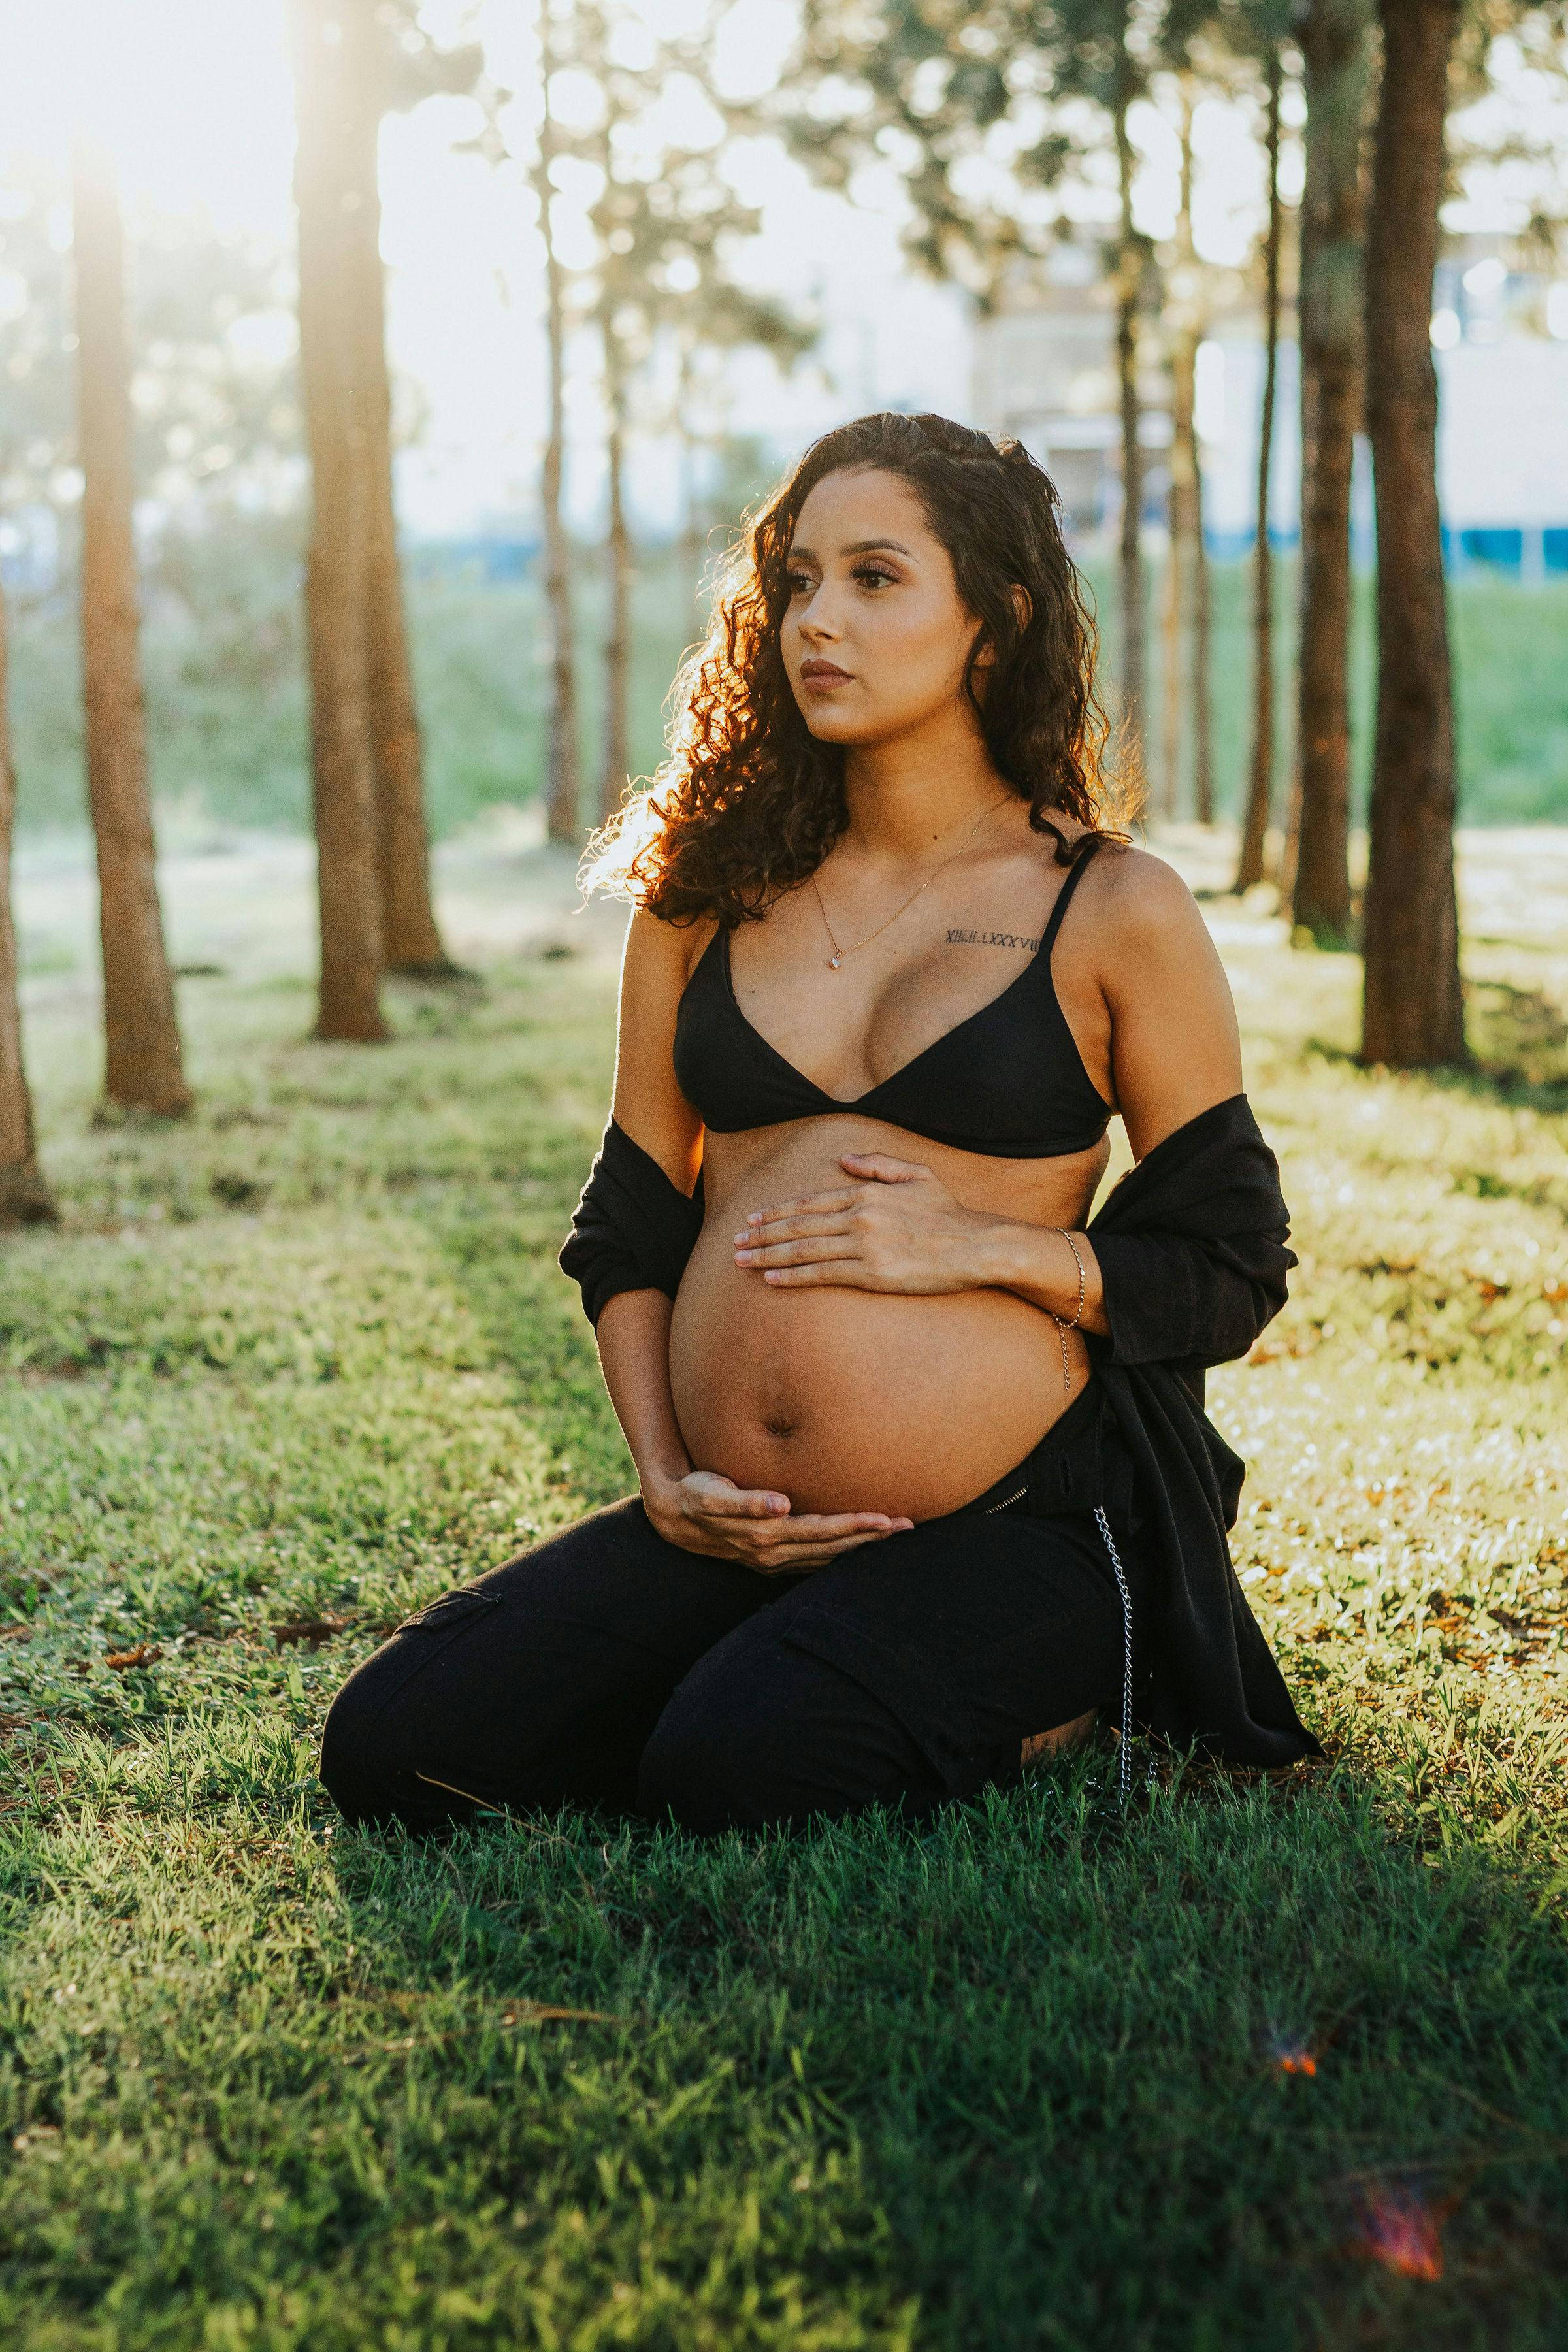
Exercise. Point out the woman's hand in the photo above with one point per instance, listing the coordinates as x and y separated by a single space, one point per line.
896 1227
711 1516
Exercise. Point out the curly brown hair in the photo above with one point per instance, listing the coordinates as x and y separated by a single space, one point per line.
748 803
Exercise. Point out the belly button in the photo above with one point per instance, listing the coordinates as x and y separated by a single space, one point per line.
779 1424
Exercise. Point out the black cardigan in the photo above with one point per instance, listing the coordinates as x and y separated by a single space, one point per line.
1191 1251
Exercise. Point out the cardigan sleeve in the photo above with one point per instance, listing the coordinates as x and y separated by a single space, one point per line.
1172 1301
1192 1244
632 1229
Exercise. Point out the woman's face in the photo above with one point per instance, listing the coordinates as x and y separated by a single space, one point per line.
874 638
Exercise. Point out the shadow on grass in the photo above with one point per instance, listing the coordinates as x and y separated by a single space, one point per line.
1022 2064
1509 1078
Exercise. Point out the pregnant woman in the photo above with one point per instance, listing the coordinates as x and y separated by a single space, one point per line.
924 1477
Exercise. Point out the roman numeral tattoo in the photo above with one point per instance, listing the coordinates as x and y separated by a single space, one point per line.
991 940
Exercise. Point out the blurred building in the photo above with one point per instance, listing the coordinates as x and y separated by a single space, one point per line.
1045 369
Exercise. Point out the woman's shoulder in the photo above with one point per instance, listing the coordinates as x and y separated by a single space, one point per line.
1137 892
1145 928
659 949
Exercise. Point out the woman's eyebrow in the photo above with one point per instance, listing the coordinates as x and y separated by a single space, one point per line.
855 547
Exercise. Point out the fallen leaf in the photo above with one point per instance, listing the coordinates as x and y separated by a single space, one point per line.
142 1655
314 1630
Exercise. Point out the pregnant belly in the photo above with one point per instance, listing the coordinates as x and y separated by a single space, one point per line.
853 1400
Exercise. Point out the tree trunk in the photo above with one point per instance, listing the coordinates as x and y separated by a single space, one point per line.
142 1038
1187 487
692 536
1334 38
25 1198
1260 784
410 941
1203 632
617 641
1129 302
342 773
1290 849
1413 1014
1174 607
564 787
1187 599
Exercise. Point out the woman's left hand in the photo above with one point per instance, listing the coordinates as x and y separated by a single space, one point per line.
895 1227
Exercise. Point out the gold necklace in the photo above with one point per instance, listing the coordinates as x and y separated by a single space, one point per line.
836 957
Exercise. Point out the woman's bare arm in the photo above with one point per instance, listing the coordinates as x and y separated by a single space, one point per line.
647 1104
634 1355
1175 1049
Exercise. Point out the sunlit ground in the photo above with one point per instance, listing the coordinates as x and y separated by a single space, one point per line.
1271 2067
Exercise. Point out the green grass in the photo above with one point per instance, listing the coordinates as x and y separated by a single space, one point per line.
1510 690
228 717
227 720
1008 2081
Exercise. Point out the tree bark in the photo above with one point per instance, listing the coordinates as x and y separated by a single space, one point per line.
1261 782
1199 689
410 939
1414 1015
341 766
1290 849
617 640
143 1065
1129 302
692 536
1334 38
1174 607
1187 603
25 1198
563 786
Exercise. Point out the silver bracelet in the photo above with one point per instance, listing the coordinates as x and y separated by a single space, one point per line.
1064 1327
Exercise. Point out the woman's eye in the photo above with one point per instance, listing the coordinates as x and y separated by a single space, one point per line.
799 582
871 575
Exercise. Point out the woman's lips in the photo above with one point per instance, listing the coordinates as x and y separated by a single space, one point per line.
824 675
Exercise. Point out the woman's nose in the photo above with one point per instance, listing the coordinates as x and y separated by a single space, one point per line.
820 618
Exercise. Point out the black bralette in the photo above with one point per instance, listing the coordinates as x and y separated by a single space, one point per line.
1007 1082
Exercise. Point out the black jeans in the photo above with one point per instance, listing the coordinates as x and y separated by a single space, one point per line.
607 1667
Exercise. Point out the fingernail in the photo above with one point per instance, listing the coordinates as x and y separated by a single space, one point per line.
753 1216
770 1274
743 1256
739 1238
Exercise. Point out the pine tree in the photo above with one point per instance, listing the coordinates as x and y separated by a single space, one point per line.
25 1198
143 1062
1414 1014
326 188
1334 36
1260 772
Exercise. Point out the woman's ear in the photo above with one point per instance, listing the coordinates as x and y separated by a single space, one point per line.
1024 613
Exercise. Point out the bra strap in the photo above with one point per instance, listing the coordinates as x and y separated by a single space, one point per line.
1063 895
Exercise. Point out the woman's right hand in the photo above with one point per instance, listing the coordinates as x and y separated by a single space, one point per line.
711 1516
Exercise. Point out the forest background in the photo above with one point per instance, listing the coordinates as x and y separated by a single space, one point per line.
222 489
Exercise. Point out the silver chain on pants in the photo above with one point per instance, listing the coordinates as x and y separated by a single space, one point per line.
1124 1772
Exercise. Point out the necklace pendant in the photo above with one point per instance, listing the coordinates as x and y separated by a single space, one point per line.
833 961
